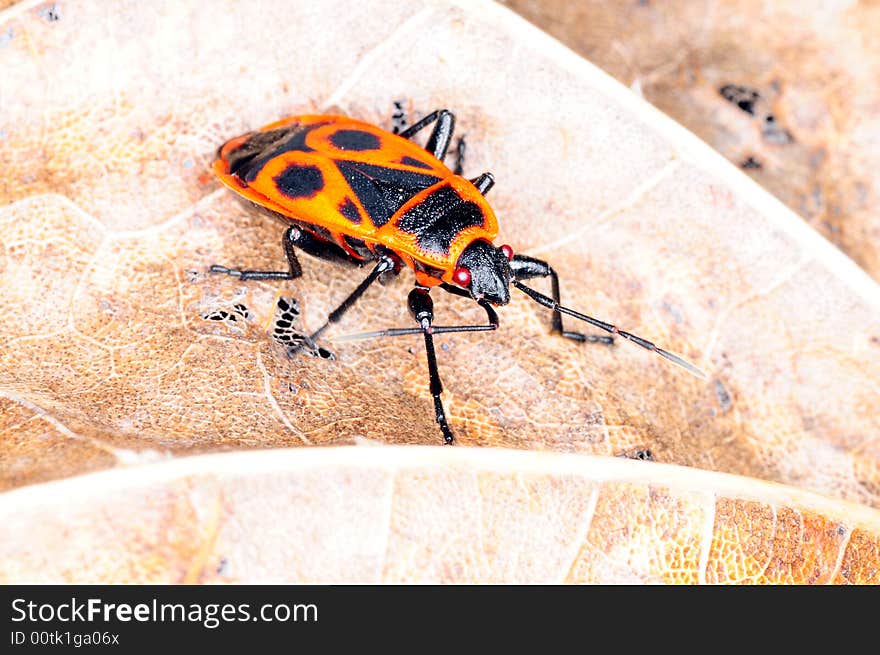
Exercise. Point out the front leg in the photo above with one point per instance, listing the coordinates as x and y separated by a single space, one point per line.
422 309
386 263
526 268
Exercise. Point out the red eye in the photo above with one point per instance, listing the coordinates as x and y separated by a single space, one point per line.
462 276
508 251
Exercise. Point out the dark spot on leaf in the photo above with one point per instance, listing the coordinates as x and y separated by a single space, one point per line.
722 394
774 133
643 454
50 13
742 96
287 331
398 118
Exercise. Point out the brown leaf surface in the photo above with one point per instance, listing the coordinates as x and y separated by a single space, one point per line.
815 65
410 514
108 221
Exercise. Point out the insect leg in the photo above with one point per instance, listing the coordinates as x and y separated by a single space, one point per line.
294 237
484 182
326 250
438 142
526 268
460 148
491 316
287 241
384 264
422 309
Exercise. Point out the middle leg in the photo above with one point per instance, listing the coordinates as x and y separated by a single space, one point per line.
422 309
385 263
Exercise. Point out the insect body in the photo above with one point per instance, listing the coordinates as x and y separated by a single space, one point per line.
354 193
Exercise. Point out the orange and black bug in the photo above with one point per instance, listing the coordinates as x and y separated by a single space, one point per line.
354 193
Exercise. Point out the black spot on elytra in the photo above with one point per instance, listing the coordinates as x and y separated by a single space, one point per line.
383 191
439 218
355 140
750 163
411 161
348 209
247 160
300 181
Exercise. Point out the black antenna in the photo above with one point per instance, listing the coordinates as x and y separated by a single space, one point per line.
548 302
400 332
491 315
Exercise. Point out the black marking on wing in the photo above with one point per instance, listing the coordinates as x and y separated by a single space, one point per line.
439 218
250 157
348 209
300 181
355 140
382 191
411 161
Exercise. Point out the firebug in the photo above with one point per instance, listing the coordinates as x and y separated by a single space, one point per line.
353 193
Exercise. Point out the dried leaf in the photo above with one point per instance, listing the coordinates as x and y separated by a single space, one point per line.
409 514
810 135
